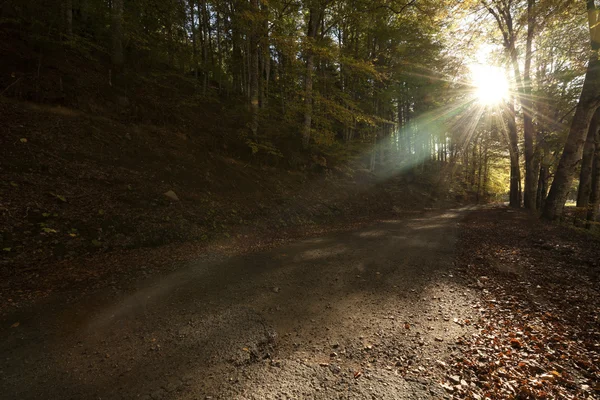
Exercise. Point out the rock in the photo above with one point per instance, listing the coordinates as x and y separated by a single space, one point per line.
447 387
171 195
335 369
276 289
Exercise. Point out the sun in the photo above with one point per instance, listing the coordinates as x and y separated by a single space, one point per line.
489 83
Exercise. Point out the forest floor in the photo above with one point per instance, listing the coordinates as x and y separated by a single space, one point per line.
469 303
82 198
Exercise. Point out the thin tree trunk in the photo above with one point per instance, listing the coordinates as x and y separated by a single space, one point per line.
219 55
313 26
594 206
486 169
68 15
266 59
117 33
194 47
515 171
84 9
205 45
585 175
254 70
542 185
526 100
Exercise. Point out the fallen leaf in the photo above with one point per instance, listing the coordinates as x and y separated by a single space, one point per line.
60 197
15 324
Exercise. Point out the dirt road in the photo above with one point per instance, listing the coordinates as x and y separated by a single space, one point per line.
364 314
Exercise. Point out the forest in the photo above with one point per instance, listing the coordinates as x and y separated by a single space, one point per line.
300 199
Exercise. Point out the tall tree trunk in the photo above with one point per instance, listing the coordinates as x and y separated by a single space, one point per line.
254 69
68 15
219 55
205 22
542 185
117 33
594 206
313 26
194 47
588 103
84 9
513 148
526 100
266 58
486 169
585 175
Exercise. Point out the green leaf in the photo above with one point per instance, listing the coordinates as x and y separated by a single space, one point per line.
6 249
96 243
23 140
13 184
45 215
49 230
100 212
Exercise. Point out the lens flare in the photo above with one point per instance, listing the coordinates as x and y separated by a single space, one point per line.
489 83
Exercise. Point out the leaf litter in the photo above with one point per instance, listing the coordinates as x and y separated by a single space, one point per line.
538 330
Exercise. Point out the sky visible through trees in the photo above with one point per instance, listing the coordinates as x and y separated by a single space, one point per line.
498 94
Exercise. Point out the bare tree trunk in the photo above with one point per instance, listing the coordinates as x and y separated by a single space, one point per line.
373 151
68 14
313 26
219 55
486 169
594 206
588 103
527 105
84 9
515 171
585 175
194 47
117 33
266 50
542 185
480 172
254 70
205 21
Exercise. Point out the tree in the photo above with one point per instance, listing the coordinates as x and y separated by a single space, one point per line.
585 175
502 11
594 205
588 103
117 33
315 14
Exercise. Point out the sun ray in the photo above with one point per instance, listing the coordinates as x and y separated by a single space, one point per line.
490 84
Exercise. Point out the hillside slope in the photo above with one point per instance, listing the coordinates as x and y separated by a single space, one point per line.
85 162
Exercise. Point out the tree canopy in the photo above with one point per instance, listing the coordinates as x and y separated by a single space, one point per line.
386 82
